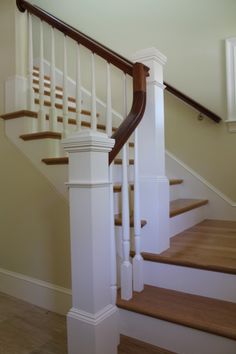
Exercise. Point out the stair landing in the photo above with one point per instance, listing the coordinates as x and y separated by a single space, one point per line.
209 245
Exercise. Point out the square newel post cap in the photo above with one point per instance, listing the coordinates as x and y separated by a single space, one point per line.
88 140
149 54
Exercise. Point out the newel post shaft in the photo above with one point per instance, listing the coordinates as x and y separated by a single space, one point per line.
154 185
92 320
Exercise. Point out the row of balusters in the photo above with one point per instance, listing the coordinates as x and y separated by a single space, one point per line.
130 274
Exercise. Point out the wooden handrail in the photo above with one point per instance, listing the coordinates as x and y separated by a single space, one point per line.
138 71
200 108
96 47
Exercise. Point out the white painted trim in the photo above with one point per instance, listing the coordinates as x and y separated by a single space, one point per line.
202 180
231 125
80 184
38 292
230 48
90 318
156 83
150 54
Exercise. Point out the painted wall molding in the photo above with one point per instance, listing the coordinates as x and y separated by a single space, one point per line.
231 83
38 292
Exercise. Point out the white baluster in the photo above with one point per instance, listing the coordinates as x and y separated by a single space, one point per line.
41 112
138 284
30 97
65 91
94 110
109 103
53 110
126 266
113 271
78 90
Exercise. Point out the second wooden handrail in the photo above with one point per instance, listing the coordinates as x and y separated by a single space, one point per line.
200 108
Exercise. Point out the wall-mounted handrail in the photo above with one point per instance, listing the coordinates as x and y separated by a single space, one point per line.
138 71
200 108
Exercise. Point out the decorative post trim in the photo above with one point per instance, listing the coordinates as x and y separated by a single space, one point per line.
92 322
154 185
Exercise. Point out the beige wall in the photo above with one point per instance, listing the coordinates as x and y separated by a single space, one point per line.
204 146
34 227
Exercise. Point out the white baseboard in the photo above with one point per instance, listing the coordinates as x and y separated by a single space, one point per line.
34 291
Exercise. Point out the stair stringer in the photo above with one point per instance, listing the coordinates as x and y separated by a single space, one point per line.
195 186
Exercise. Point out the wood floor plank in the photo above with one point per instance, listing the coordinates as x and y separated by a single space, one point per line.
134 346
202 313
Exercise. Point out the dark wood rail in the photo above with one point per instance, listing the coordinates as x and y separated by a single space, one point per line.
200 108
138 71
96 47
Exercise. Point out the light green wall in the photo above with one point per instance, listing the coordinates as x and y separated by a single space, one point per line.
191 34
34 220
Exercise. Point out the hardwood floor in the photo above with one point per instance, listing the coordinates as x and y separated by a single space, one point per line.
28 329
209 245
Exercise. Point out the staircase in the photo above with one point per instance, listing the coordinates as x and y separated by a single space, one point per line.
186 300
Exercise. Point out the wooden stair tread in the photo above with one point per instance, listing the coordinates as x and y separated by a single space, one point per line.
198 312
47 84
41 135
117 187
130 345
180 206
174 181
60 106
32 114
58 95
118 221
209 245
65 161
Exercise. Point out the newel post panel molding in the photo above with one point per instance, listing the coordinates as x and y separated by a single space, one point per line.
92 321
154 185
231 83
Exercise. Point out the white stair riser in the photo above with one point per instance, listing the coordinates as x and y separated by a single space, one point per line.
186 220
190 280
175 191
174 337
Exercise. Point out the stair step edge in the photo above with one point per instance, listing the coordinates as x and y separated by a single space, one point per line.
194 311
180 206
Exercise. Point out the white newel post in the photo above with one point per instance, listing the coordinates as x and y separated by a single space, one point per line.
92 321
154 185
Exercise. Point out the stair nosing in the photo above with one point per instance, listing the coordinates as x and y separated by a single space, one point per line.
196 203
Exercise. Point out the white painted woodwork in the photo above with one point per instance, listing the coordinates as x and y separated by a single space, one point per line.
109 103
41 111
126 266
216 285
231 83
53 110
92 321
171 336
16 94
113 267
138 283
78 89
93 95
154 185
30 91
65 89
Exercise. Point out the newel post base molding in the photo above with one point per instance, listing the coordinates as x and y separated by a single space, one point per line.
92 322
154 185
